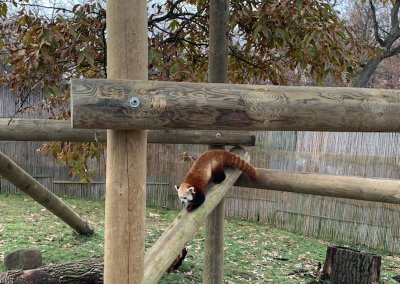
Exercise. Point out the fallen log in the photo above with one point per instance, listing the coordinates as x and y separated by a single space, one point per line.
81 271
76 272
26 183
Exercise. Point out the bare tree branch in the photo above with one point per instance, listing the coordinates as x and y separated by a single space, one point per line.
375 23
391 52
394 15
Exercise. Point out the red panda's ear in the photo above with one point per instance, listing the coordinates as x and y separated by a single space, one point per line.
176 187
191 189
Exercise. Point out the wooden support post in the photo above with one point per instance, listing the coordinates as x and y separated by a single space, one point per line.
213 265
160 256
22 129
126 150
170 105
25 182
379 190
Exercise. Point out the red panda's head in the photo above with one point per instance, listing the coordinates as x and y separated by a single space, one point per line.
186 192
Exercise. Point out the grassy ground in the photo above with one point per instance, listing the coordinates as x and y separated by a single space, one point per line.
254 252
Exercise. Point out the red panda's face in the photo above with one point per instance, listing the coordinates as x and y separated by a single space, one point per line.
185 192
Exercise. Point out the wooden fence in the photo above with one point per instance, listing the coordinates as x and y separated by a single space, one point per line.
371 224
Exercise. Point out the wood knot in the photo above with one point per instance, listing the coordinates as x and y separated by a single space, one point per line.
265 105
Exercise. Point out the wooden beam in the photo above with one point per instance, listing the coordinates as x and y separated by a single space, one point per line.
160 256
125 202
169 105
22 129
26 183
379 190
213 264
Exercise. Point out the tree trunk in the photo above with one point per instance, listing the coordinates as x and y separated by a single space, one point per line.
346 265
82 271
366 73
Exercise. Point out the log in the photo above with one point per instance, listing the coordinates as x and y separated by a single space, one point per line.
213 264
168 246
26 183
378 190
128 104
125 201
22 129
77 272
346 265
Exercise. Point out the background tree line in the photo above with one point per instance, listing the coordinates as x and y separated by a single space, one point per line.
44 44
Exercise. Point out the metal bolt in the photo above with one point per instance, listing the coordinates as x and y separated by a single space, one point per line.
134 102
218 135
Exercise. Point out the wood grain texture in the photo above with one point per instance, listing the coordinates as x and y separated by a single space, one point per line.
21 129
213 264
26 183
125 207
204 106
379 190
164 251
81 271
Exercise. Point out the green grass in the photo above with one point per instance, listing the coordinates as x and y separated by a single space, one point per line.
254 252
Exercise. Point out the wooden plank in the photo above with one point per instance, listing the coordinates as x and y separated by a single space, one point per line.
213 264
100 103
379 190
125 202
26 183
160 256
21 129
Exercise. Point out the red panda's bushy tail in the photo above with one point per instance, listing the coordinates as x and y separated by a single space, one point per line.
236 161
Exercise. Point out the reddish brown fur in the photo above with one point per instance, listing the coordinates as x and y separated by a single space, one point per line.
213 161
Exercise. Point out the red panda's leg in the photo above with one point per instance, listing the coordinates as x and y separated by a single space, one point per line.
218 174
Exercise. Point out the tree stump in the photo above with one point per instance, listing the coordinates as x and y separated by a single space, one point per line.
29 258
346 265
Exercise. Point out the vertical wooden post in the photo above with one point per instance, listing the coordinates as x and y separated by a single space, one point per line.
126 150
213 270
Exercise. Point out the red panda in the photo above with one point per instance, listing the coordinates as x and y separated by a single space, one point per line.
178 260
209 166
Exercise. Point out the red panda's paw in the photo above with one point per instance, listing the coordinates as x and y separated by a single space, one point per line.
189 207
198 200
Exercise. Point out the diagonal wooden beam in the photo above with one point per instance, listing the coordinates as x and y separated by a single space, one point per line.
160 256
26 183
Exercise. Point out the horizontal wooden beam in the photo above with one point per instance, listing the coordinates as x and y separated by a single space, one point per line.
378 190
22 129
127 104
160 256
